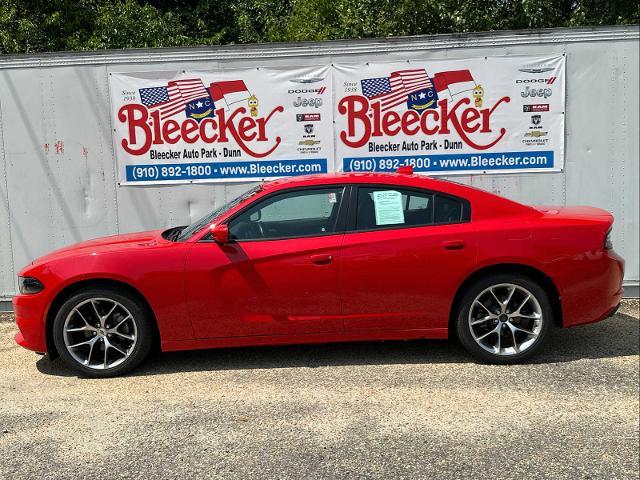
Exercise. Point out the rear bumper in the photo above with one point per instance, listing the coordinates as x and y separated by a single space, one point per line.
596 294
29 313
613 312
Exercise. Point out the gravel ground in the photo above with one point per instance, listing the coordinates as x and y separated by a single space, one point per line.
369 410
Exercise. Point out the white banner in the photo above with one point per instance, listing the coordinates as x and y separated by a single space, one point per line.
232 125
482 115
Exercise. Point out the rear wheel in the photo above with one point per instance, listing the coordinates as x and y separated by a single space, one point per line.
102 332
504 318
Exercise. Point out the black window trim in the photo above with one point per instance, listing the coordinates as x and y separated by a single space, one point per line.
341 222
353 207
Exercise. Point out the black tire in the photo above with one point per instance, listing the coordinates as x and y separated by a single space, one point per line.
139 348
463 328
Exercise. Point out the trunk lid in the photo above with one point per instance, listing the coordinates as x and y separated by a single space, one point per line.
574 212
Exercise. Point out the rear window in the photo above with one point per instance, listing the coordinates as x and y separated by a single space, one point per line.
388 207
448 210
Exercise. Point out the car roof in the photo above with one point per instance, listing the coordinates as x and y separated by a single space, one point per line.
357 177
485 204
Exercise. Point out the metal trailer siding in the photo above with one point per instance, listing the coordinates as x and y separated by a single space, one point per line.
58 183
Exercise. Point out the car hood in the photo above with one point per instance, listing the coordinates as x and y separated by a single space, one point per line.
106 244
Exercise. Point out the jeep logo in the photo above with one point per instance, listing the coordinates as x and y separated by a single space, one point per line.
536 92
315 102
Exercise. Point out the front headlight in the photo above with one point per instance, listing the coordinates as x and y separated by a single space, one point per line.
29 285
608 242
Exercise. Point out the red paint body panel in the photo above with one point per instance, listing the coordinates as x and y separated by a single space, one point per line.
154 267
403 279
264 288
376 285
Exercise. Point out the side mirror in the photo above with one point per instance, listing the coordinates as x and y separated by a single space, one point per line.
220 233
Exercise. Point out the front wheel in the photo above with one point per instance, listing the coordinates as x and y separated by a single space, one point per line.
504 318
102 332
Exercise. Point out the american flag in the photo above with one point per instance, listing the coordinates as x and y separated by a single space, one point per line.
174 97
393 90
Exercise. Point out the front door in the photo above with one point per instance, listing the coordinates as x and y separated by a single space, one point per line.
278 275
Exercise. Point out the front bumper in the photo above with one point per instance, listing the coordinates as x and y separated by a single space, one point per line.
29 313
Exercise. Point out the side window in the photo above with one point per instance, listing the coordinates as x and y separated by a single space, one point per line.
448 210
291 214
387 206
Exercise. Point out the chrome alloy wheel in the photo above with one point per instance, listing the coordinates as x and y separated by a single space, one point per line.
505 319
100 333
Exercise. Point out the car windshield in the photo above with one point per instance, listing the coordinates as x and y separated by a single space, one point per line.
210 217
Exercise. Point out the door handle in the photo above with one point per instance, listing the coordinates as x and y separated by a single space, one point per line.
453 244
321 259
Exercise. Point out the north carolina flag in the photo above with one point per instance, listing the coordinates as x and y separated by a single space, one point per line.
231 91
456 81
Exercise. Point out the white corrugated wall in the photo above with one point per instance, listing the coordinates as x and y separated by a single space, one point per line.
57 169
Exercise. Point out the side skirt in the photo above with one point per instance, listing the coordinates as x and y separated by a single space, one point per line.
307 338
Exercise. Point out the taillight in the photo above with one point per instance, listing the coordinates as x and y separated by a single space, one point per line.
608 243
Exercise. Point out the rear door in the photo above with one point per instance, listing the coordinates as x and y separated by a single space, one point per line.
404 255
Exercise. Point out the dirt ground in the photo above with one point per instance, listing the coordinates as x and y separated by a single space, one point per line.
419 409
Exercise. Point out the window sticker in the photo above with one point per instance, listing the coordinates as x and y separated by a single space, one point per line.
332 197
388 207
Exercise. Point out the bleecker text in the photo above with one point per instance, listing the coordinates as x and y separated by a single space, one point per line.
145 130
365 120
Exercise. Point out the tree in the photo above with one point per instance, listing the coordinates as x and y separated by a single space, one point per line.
28 26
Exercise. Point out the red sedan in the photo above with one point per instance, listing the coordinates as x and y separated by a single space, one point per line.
328 258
